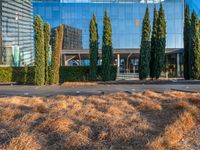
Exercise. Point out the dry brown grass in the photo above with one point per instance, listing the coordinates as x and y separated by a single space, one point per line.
59 125
23 142
174 132
79 84
149 120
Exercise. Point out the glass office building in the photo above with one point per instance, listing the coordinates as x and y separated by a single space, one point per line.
16 33
126 19
194 6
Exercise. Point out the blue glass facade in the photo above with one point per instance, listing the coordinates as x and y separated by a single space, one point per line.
194 5
126 18
16 33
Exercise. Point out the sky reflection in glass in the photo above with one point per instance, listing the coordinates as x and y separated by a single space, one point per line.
126 19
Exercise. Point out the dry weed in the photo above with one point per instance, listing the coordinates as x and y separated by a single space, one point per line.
174 132
114 111
79 84
58 106
103 136
24 142
107 121
85 131
122 133
153 94
41 108
59 125
76 140
8 113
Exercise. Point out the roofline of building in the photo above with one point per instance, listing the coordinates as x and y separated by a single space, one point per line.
119 51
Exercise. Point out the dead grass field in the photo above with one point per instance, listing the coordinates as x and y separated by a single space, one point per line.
79 84
152 121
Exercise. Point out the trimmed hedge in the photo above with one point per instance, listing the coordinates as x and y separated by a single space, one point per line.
113 73
73 73
22 75
81 73
25 75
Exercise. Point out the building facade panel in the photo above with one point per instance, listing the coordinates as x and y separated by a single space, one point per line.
126 18
194 5
72 38
17 33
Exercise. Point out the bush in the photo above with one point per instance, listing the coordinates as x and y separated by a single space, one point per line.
21 75
81 73
25 75
6 74
74 73
113 73
39 51
30 78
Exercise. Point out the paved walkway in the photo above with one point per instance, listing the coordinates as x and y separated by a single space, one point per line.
20 90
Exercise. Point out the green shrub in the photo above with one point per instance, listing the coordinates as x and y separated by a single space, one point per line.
5 74
113 73
39 51
107 49
74 73
47 32
81 73
30 78
26 75
21 75
53 68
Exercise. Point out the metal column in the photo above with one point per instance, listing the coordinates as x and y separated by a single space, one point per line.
118 63
178 65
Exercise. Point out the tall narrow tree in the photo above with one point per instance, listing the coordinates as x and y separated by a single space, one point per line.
195 47
58 52
145 47
47 32
54 57
187 43
153 45
93 48
39 51
107 50
161 42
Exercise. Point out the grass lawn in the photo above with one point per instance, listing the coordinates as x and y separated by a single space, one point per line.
149 120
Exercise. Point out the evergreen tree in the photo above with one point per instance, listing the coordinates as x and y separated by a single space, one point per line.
107 52
161 42
47 32
153 45
52 74
145 47
39 51
195 47
187 43
58 52
93 48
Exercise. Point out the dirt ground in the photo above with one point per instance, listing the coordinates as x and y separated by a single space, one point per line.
121 121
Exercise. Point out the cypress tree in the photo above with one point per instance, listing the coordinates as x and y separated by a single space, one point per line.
187 43
39 51
47 32
107 52
195 47
145 47
58 52
153 45
54 57
161 42
93 48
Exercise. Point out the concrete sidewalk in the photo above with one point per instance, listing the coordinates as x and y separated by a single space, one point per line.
21 90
